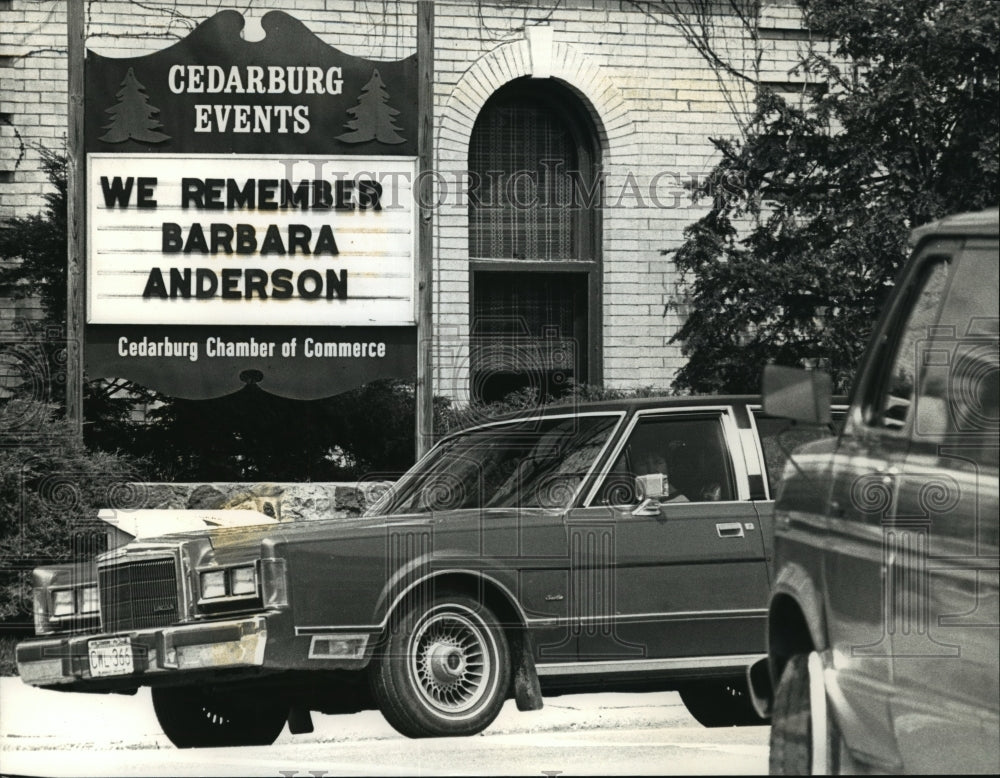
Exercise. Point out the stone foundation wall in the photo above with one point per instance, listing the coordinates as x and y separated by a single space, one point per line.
284 501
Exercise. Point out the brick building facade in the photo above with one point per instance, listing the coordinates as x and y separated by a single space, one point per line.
609 89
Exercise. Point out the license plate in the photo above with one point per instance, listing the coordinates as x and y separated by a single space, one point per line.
110 656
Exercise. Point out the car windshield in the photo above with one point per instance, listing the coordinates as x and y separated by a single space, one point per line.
536 463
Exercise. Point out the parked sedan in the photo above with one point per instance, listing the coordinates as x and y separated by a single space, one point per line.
614 546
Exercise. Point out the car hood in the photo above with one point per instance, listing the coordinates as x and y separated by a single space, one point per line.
234 544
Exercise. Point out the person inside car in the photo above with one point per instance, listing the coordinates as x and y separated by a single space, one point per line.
652 478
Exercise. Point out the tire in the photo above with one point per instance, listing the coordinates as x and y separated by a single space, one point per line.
720 703
196 717
444 671
791 750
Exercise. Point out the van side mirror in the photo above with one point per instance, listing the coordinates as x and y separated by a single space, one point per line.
797 394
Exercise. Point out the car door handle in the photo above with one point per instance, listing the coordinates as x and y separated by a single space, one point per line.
732 529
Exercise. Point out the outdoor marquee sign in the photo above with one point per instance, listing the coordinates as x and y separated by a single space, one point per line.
250 214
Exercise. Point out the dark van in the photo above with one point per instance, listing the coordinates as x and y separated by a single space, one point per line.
883 618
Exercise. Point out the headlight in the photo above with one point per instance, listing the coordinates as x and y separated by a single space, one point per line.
229 582
213 584
89 602
243 581
62 602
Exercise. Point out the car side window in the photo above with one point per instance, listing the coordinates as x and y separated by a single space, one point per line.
958 397
533 463
779 437
676 459
889 405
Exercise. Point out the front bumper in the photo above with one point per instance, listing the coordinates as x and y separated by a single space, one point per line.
64 662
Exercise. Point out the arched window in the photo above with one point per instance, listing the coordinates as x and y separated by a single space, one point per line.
534 242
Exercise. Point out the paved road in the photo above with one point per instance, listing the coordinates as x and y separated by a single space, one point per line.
48 733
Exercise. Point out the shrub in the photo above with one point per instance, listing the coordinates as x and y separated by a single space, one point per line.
8 665
51 488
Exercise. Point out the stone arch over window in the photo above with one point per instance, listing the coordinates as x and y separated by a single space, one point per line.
599 108
563 63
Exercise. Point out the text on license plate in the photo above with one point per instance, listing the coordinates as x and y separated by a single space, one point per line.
110 656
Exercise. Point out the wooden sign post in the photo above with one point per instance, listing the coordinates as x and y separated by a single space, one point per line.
425 244
75 247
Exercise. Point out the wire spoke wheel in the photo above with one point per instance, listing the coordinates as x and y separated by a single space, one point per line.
445 671
450 662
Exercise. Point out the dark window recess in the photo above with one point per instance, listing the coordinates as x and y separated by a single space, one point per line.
783 34
6 176
795 88
529 330
522 162
534 200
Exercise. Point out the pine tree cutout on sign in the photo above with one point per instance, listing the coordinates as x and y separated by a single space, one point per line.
133 117
373 116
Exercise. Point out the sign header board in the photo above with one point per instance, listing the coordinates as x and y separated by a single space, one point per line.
214 92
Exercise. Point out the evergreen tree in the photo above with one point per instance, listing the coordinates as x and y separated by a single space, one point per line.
373 116
133 117
33 263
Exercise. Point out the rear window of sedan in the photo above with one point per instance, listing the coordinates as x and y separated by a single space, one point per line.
780 437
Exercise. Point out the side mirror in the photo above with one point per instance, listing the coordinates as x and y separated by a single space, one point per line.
797 394
651 486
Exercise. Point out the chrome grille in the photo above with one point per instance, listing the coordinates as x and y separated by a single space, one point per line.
138 594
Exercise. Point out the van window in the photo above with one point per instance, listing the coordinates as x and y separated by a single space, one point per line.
959 388
889 405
